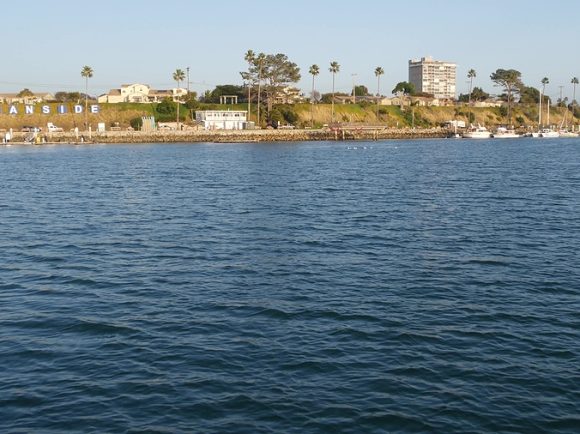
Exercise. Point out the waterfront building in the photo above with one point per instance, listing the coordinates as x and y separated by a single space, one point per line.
140 93
435 77
222 119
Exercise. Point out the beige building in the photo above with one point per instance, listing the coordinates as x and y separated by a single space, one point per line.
140 93
433 76
13 98
289 95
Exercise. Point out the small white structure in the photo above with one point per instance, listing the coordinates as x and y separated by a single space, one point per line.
222 119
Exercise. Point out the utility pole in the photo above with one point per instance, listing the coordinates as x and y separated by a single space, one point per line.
540 110
187 69
353 89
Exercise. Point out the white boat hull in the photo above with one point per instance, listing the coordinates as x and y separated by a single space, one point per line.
550 135
546 133
506 136
477 135
568 134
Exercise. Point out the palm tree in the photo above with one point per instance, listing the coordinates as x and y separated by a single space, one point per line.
87 72
471 74
178 76
249 57
314 71
334 68
378 72
260 61
545 81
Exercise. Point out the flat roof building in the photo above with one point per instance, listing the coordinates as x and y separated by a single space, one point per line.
221 119
433 76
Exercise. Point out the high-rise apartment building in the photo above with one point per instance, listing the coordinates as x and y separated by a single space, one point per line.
433 76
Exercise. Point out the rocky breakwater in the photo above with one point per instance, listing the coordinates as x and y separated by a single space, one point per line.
242 136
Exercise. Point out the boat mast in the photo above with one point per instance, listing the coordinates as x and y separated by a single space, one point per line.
540 112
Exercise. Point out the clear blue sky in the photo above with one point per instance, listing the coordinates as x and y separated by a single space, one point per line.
45 44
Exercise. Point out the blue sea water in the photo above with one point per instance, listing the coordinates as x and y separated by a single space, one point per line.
360 287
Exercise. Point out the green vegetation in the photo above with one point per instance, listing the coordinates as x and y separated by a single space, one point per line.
25 92
274 71
404 87
136 123
477 94
67 96
223 90
334 69
178 76
511 81
361 90
301 115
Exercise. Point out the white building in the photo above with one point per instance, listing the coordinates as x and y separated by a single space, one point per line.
433 76
140 93
222 119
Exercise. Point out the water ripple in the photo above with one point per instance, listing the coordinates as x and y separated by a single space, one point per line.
427 286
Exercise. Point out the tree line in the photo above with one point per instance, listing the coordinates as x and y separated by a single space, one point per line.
267 75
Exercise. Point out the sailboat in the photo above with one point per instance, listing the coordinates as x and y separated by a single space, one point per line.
547 132
564 131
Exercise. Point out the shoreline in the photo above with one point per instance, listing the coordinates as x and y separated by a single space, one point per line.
236 136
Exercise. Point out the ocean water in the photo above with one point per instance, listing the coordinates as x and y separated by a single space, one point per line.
368 287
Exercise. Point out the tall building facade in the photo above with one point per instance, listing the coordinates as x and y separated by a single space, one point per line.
433 76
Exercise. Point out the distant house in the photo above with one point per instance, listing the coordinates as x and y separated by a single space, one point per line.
289 95
160 95
35 98
222 119
488 103
141 94
399 100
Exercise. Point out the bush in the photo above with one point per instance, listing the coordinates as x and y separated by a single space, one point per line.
166 107
166 111
192 104
136 123
290 115
276 116
171 118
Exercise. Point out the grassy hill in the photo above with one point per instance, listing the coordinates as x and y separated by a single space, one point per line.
393 116
302 115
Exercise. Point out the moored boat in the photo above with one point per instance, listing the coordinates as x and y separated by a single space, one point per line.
549 133
479 132
566 133
505 133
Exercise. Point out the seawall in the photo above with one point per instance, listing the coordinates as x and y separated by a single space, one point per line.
238 136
